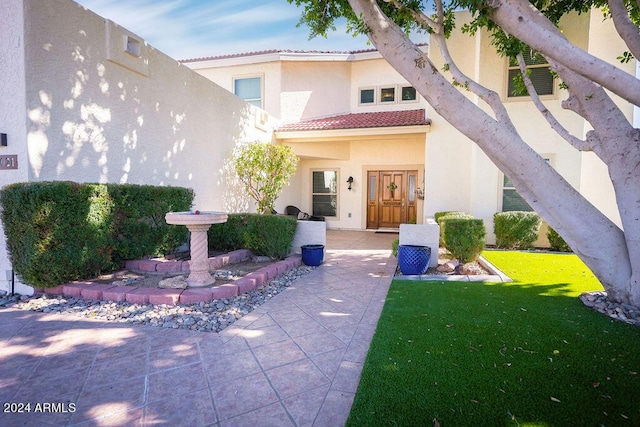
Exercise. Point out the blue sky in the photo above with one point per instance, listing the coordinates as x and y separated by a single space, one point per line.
199 28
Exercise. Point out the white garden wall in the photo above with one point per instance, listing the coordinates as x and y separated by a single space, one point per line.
83 99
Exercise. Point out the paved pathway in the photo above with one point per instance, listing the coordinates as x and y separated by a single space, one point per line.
294 361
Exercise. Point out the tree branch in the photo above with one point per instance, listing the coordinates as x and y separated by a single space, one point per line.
419 16
629 32
577 143
541 35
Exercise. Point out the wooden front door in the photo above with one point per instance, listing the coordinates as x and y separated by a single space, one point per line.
391 198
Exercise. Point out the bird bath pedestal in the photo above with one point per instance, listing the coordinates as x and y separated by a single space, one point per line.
198 223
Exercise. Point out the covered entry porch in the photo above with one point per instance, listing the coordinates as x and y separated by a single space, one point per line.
359 177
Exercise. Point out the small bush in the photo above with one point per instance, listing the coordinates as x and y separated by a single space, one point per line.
394 247
556 242
516 230
438 215
267 235
465 238
442 218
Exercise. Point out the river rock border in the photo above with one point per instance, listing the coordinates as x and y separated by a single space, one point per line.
599 302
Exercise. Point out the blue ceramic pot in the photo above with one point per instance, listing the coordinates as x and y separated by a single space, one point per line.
413 260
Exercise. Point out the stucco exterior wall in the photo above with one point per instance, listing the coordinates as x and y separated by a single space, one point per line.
269 71
97 117
12 118
314 89
376 72
477 180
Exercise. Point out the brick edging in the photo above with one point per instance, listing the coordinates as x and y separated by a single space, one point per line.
144 295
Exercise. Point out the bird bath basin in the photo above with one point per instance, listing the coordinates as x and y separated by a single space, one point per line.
198 223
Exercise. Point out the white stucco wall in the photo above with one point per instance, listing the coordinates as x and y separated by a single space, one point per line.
77 106
477 182
12 117
223 74
93 119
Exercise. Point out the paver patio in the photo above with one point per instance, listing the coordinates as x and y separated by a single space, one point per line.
296 360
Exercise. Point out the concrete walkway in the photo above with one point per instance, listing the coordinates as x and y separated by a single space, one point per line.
294 361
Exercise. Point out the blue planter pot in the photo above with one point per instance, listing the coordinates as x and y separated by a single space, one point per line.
312 255
413 260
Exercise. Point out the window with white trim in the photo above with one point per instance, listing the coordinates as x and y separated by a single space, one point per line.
539 72
387 95
324 193
367 96
249 89
408 94
511 200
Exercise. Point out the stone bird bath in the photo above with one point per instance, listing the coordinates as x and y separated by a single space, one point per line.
198 223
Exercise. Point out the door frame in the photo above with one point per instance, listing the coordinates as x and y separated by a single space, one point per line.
388 209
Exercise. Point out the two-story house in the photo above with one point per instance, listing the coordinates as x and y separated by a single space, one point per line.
373 154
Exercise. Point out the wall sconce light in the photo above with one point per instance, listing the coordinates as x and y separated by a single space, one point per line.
420 193
349 181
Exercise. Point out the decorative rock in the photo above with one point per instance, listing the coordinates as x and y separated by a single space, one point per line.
621 312
177 282
209 316
448 267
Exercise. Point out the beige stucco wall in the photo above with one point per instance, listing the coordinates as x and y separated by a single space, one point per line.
483 196
90 118
314 89
224 75
354 158
76 106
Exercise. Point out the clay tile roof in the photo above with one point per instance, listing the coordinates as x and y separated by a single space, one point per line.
361 120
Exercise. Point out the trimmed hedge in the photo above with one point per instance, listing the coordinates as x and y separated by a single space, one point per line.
442 218
266 235
556 242
516 230
465 238
62 231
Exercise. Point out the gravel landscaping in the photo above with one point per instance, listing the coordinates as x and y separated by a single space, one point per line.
212 316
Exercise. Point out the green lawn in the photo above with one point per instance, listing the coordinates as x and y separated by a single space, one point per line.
483 354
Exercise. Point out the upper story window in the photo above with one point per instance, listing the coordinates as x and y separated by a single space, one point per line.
539 72
386 94
367 96
249 89
408 94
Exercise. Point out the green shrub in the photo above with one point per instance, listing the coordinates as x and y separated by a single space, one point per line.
394 247
267 235
465 238
139 218
556 242
516 230
62 231
442 218
56 231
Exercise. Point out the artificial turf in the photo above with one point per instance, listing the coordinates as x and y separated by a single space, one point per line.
482 354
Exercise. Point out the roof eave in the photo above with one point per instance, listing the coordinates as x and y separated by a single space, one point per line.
351 133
